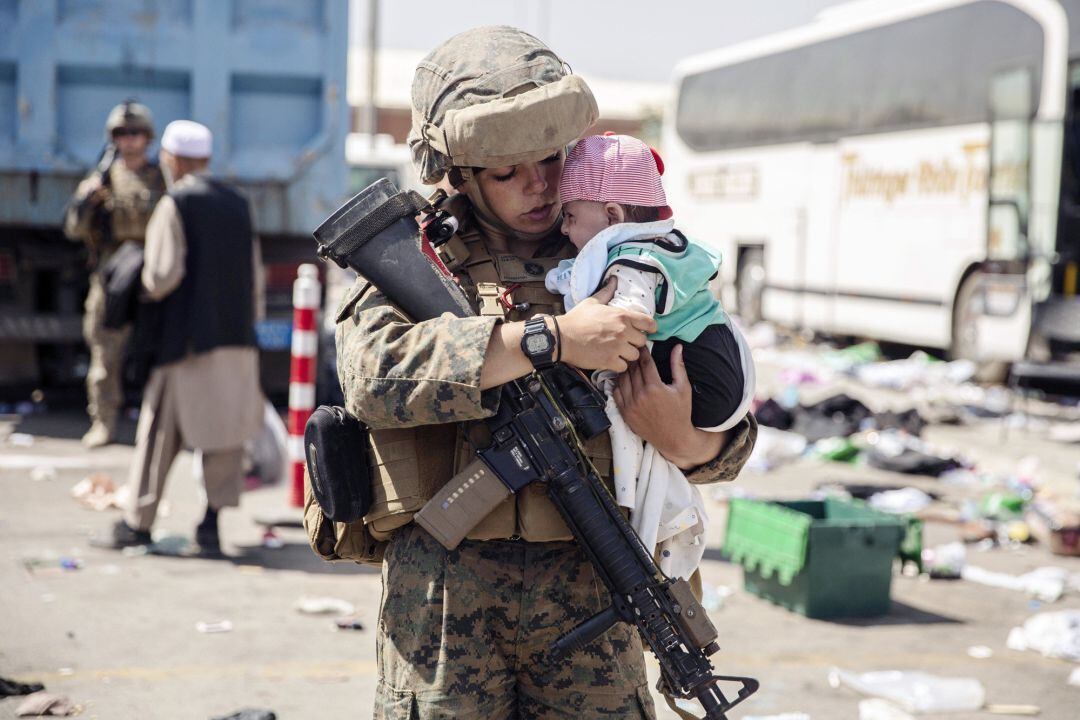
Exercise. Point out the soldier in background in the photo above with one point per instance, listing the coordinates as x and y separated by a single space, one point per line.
202 265
111 207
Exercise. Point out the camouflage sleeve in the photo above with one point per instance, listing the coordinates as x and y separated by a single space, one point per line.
77 215
395 373
726 466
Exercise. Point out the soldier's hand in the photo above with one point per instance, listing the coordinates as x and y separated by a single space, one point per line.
100 196
599 337
93 192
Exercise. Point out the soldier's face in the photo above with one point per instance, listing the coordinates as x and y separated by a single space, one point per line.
525 196
131 143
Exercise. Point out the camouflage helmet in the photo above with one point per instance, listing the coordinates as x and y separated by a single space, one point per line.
493 96
130 114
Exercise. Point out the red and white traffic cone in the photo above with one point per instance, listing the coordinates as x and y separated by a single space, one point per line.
305 346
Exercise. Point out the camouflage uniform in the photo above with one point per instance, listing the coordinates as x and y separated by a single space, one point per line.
462 633
132 197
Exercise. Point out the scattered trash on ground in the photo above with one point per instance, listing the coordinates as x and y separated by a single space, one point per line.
999 709
837 416
1064 432
713 597
97 491
878 709
1055 524
915 691
1074 677
904 500
945 562
351 622
51 565
249 714
774 448
43 473
1054 634
269 452
980 652
46 704
1046 583
324 606
899 452
20 440
12 687
271 541
216 626
918 370
836 449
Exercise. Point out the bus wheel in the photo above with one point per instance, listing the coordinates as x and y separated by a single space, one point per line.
968 309
750 285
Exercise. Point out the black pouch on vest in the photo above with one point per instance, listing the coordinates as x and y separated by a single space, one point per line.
336 451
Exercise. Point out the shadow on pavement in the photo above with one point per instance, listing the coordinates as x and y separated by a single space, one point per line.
900 614
294 556
69 426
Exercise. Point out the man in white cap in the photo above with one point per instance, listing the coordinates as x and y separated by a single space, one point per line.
202 267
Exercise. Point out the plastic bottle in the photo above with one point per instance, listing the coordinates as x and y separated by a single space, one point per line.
914 691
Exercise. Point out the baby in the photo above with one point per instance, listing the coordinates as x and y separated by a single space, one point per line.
616 214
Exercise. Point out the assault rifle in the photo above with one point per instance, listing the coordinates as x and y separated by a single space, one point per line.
536 435
101 230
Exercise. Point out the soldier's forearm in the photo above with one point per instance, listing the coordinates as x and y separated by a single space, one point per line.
727 464
695 448
399 374
503 360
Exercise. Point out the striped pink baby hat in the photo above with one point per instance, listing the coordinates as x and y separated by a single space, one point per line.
614 168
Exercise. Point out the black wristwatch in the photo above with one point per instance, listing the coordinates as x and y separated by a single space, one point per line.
538 343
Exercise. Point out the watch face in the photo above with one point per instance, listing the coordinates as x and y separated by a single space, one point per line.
537 344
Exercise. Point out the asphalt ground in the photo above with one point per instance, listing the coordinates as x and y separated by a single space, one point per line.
118 635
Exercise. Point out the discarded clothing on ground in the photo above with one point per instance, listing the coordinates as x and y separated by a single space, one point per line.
771 414
897 452
837 416
249 714
910 421
45 704
10 687
912 462
864 491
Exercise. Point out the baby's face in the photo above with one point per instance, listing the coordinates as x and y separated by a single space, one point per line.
582 219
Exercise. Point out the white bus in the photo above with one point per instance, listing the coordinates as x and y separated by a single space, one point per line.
908 171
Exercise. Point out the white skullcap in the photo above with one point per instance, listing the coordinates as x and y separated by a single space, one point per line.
187 138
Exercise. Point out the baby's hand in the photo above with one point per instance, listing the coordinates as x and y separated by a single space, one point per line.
599 337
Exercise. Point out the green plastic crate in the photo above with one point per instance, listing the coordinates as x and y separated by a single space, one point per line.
822 559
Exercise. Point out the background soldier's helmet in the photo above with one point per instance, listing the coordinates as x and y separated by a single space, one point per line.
130 114
491 97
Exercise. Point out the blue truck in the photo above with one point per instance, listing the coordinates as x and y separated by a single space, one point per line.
267 77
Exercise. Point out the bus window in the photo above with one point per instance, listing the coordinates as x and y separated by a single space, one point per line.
914 73
1010 131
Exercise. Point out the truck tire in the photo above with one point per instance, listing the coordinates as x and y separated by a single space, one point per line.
750 285
965 332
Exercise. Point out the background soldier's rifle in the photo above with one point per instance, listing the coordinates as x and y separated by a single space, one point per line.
101 230
536 434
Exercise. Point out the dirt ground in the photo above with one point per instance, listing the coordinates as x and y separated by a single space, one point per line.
118 635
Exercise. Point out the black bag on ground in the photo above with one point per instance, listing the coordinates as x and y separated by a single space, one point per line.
336 451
